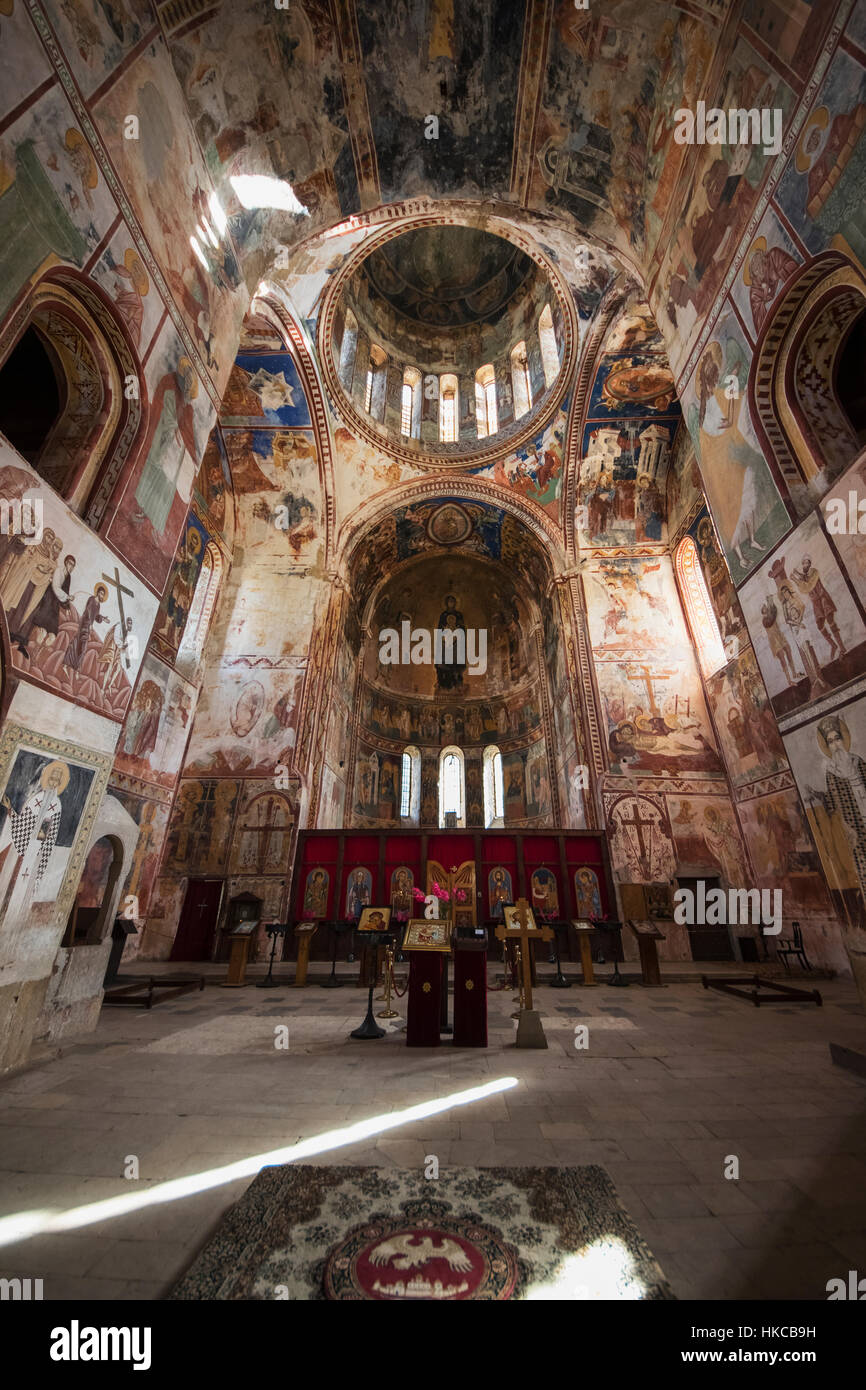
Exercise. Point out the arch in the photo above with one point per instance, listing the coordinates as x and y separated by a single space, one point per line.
88 918
494 789
410 784
699 610
521 383
452 787
549 349
201 609
486 415
798 417
374 386
99 419
410 404
448 408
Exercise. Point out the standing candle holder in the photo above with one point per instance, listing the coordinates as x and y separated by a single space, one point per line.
388 1012
559 981
276 931
370 1028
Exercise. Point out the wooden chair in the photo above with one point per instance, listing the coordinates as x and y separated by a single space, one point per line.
793 946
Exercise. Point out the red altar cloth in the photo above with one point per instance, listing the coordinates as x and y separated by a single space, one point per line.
425 990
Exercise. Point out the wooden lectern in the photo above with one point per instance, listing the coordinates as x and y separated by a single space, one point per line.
584 929
304 933
648 934
240 950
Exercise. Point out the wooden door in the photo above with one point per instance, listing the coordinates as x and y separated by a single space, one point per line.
195 932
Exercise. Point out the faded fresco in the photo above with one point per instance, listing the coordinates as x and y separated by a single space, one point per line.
77 617
828 757
157 726
655 713
246 721
746 506
811 636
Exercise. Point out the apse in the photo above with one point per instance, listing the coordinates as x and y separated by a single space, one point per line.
469 731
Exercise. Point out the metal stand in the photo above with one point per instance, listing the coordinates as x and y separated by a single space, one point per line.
274 930
388 1012
332 982
370 1028
559 981
617 980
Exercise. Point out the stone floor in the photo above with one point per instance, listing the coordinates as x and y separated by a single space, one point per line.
673 1083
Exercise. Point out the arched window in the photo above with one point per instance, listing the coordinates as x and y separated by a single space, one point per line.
410 784
485 401
520 381
699 609
374 390
201 609
549 350
452 797
410 413
448 409
494 794
348 348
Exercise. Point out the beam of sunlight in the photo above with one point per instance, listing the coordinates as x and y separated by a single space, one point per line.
603 1270
261 191
23 1225
218 214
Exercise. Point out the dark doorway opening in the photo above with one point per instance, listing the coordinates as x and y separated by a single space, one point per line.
30 398
707 942
851 378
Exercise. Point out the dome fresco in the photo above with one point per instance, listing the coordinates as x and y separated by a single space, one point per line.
447 277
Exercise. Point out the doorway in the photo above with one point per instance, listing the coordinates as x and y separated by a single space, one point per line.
707 942
195 932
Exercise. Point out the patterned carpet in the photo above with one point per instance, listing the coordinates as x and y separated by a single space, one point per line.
307 1233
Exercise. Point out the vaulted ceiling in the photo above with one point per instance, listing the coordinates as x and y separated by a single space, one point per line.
563 111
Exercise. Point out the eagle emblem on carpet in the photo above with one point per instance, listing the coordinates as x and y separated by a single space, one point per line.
424 1256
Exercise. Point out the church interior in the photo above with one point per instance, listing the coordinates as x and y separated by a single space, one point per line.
432 502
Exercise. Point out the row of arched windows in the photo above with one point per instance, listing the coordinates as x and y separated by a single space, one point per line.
452 786
486 405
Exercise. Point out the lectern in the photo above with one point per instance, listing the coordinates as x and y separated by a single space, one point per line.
470 988
648 934
584 931
240 950
304 933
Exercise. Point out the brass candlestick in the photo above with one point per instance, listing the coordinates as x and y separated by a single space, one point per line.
388 1012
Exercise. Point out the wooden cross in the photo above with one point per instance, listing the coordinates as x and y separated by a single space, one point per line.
524 933
120 592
